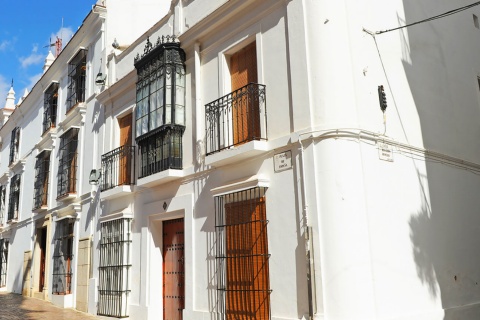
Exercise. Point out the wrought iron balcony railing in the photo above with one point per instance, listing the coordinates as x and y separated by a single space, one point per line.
118 167
236 118
160 150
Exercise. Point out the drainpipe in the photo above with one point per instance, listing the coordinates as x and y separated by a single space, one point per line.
312 305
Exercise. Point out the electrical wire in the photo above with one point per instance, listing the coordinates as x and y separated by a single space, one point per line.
443 15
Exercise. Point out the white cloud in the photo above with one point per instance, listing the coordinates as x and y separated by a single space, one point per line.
33 58
4 45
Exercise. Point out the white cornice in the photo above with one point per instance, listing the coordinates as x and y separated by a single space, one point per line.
118 88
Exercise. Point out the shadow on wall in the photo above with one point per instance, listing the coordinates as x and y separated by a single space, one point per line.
445 234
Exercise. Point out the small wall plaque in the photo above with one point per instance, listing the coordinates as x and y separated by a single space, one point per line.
282 161
385 152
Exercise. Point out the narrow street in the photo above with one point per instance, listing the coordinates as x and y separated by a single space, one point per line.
15 306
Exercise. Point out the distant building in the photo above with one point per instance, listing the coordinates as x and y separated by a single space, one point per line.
210 159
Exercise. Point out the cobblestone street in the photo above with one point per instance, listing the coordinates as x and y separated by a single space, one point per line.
15 306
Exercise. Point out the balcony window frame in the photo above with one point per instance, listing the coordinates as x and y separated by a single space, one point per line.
50 107
68 154
3 193
14 198
77 72
42 177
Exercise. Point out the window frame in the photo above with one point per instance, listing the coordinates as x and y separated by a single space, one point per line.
42 177
63 256
14 198
77 72
68 155
3 261
14 145
3 209
242 241
50 107
115 263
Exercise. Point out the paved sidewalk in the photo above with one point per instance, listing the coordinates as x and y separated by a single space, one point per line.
16 307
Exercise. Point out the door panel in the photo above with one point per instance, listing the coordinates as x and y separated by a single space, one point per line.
245 110
43 249
173 269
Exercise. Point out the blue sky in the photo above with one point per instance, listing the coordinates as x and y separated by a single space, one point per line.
25 29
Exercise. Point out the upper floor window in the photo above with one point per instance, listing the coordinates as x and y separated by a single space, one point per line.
42 169
76 79
67 170
50 107
160 87
160 112
14 144
14 200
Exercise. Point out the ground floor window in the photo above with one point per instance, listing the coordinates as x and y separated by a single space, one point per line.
243 283
114 268
3 262
63 256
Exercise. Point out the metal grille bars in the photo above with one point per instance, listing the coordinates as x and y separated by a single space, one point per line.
50 107
3 262
76 79
67 171
161 150
118 167
14 199
42 170
236 118
243 284
114 268
63 256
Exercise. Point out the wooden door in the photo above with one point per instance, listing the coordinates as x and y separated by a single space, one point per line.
173 269
43 249
247 284
245 108
125 164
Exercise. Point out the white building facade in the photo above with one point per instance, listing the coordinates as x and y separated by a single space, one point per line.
231 160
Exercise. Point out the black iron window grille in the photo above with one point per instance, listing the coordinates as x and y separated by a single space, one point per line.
42 172
63 257
14 199
236 118
3 262
243 284
76 79
3 191
67 170
114 268
161 150
14 144
118 167
50 107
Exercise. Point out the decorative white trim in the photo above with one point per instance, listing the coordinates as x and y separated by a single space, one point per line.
124 213
239 185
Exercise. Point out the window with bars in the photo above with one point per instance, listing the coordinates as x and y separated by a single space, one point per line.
243 284
114 268
42 170
14 144
3 262
77 69
63 256
3 191
67 171
50 107
160 111
14 199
